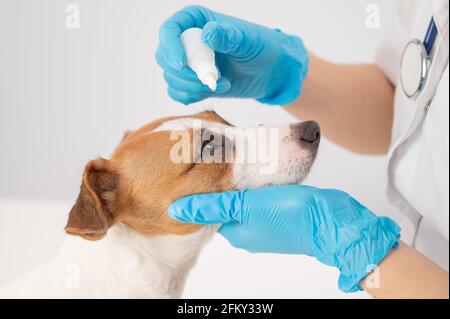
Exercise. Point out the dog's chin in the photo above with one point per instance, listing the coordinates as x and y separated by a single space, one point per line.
295 173
299 179
308 163
308 167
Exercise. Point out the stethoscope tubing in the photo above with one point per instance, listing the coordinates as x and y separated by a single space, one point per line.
430 36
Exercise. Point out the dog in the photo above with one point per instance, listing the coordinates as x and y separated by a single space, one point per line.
120 241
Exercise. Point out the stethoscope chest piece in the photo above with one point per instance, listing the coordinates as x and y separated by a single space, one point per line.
415 62
414 68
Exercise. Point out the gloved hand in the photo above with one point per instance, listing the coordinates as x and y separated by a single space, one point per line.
254 61
327 224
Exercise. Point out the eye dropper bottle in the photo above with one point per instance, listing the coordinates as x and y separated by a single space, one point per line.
200 57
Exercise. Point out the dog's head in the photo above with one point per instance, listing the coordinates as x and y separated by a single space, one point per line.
178 156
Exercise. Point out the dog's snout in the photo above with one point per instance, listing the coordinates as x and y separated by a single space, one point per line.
308 131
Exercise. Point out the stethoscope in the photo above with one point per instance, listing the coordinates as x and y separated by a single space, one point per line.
415 62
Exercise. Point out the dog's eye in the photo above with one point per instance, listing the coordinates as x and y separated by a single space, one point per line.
207 145
208 149
212 148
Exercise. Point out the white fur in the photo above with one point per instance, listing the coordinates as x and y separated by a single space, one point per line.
177 124
124 264
292 164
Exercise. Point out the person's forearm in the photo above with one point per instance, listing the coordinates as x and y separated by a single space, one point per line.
352 103
405 273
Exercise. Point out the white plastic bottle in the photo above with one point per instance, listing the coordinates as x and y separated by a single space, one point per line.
200 57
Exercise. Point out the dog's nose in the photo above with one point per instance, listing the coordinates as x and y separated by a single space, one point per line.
308 131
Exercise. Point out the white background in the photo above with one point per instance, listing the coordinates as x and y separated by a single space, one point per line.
67 96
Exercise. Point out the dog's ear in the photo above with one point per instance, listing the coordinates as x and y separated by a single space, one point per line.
93 212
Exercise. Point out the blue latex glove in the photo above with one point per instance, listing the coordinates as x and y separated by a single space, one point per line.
254 61
327 224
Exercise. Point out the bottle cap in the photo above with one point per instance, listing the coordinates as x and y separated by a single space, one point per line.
211 81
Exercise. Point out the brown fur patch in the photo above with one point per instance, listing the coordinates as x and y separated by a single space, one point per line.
139 182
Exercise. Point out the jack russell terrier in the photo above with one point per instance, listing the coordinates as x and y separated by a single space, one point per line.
120 241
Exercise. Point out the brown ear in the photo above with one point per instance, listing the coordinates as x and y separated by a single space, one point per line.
92 214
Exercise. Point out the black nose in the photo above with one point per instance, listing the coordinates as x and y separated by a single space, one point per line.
308 131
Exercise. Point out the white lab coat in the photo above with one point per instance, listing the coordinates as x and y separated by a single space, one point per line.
418 169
